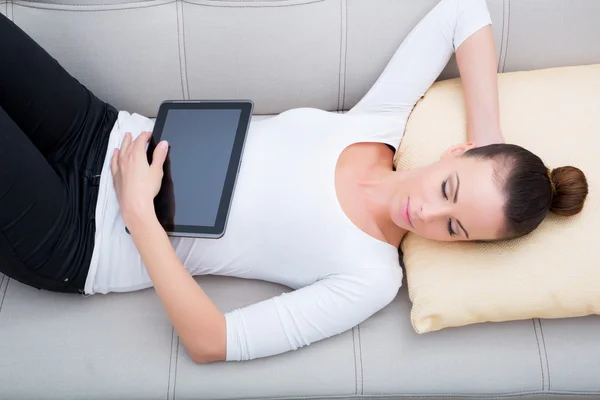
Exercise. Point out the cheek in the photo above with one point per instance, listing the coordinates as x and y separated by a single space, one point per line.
434 231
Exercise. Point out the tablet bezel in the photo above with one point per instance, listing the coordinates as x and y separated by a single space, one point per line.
246 107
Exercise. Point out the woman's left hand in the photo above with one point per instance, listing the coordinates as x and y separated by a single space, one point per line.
136 182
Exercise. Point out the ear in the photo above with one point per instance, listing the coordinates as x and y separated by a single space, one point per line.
457 150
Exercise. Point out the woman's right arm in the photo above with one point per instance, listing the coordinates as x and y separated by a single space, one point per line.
197 320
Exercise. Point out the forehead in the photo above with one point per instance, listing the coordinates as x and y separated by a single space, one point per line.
480 203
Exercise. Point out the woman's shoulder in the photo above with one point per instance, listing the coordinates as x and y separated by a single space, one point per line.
375 262
378 284
304 111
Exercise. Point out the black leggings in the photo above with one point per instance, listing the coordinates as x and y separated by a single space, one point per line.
53 138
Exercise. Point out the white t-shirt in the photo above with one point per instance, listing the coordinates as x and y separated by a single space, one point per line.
286 224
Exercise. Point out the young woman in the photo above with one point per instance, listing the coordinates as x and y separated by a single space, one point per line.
326 222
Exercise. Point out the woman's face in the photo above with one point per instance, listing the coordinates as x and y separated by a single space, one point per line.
455 198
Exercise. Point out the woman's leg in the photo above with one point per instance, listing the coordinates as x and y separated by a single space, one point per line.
33 208
48 104
68 126
422 56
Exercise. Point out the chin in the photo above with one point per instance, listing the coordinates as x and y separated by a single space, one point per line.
398 220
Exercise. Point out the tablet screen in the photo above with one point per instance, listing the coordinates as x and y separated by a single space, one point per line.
201 167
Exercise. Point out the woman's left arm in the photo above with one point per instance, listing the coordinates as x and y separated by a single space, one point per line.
199 323
476 59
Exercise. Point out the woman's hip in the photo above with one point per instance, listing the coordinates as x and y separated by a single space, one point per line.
71 261
63 266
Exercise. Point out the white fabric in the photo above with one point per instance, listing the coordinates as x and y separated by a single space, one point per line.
286 224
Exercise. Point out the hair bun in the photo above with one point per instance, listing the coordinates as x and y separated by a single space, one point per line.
570 190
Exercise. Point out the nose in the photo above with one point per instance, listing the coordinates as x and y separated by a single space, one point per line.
430 212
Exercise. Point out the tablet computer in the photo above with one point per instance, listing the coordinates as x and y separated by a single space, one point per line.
206 142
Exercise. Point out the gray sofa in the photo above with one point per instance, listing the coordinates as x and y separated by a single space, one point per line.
282 54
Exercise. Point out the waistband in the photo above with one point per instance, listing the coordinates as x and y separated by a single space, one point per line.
97 152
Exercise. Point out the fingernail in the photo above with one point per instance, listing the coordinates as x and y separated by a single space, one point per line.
164 145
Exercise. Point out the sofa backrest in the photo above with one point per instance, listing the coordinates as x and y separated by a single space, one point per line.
280 53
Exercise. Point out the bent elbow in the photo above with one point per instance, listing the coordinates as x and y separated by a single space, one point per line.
203 354
200 358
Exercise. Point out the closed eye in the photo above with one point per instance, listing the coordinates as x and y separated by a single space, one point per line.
450 230
444 194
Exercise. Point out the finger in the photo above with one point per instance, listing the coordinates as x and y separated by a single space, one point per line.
139 145
114 162
158 158
125 144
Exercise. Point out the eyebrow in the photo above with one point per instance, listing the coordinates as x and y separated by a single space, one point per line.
457 187
463 228
456 198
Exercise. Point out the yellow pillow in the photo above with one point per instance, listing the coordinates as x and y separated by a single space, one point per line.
553 272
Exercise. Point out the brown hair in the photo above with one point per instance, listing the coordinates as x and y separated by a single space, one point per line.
531 189
569 190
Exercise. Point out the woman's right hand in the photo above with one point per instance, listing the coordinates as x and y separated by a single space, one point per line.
136 182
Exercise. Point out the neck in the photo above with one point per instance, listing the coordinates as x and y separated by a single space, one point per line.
378 188
378 191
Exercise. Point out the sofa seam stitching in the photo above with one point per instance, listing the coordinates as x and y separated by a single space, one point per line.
92 5
545 353
170 365
354 357
185 88
4 292
501 58
92 10
340 60
179 47
170 359
540 354
96 7
507 37
396 396
345 51
176 363
247 4
362 380
185 63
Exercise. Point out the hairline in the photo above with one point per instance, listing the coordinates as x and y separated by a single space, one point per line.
501 167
